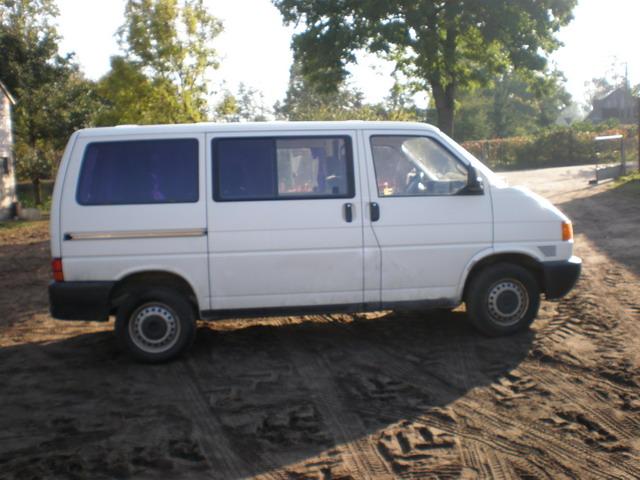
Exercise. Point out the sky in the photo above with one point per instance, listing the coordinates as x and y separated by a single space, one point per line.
255 46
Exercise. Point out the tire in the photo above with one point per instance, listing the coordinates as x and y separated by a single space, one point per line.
155 324
503 299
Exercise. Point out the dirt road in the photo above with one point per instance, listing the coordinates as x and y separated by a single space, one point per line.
385 395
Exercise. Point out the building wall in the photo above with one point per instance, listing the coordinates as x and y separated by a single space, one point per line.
7 181
618 104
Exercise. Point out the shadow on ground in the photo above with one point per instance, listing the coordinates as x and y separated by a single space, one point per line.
610 220
242 402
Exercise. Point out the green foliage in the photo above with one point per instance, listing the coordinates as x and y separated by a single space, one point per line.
18 224
27 194
36 161
554 147
227 109
629 184
53 98
305 100
513 104
130 97
28 42
443 45
247 105
162 78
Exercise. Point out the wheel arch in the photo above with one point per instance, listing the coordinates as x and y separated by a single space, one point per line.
522 258
151 278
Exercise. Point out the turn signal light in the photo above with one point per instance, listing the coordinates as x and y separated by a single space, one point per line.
56 268
567 231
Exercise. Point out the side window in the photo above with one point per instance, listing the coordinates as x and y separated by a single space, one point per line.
139 172
4 166
244 169
412 165
282 168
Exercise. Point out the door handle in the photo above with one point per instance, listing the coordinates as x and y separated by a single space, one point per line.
348 212
374 210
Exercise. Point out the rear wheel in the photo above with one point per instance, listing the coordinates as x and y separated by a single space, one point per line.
503 299
155 325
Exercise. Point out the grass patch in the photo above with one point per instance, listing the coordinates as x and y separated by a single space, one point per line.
628 184
7 225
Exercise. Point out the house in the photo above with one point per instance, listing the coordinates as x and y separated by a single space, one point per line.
619 104
8 197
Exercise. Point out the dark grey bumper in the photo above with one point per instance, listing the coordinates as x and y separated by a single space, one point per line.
79 300
560 277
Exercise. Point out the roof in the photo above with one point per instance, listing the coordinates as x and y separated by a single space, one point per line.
622 90
7 93
256 127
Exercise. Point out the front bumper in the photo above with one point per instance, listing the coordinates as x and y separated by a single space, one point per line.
80 300
560 277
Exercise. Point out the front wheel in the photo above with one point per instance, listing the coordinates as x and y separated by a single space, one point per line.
503 299
155 325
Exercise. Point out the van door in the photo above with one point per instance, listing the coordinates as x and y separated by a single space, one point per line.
427 229
136 203
285 221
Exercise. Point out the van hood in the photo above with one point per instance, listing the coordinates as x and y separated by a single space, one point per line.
515 204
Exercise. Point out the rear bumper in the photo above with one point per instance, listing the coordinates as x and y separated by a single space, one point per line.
79 300
560 277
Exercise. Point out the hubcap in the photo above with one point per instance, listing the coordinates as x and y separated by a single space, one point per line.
154 328
508 302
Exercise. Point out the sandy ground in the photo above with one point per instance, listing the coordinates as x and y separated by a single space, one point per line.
385 395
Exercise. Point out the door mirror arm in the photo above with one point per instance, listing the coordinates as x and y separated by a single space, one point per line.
475 185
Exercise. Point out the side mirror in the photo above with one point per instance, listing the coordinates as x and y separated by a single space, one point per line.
474 182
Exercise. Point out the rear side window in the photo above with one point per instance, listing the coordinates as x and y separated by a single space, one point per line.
139 172
282 168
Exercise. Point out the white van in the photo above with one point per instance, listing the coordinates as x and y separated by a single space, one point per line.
161 225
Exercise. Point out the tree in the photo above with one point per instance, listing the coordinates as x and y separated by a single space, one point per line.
163 75
444 45
247 105
28 42
250 104
227 109
306 101
36 163
130 97
53 97
514 103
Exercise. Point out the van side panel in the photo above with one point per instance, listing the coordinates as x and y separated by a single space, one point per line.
286 252
56 198
108 242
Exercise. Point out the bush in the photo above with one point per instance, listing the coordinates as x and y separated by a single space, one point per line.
26 195
555 148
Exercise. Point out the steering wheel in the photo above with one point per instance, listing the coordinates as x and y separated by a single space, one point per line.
413 186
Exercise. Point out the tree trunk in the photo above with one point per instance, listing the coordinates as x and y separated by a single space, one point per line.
444 99
36 191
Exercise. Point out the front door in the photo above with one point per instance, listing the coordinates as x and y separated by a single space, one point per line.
285 221
427 229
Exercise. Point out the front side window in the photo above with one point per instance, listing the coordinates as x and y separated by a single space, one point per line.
282 168
139 172
411 165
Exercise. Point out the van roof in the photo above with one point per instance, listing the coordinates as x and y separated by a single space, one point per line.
251 127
